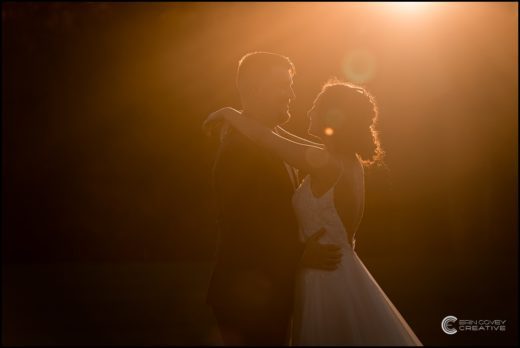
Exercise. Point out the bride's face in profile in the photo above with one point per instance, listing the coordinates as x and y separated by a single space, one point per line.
324 120
316 126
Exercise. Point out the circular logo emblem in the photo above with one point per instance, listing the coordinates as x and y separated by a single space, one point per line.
445 325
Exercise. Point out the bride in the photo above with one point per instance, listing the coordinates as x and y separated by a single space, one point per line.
344 306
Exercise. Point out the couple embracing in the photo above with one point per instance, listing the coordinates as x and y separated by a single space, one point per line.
286 271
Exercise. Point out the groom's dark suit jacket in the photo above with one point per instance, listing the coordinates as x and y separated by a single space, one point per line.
258 251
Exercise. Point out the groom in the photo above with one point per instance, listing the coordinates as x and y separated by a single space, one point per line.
251 290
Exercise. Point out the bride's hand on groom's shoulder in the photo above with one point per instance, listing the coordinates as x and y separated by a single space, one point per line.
216 121
320 256
211 123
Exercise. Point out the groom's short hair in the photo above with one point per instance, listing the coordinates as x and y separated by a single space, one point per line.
255 66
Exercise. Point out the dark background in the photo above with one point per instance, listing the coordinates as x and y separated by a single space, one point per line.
106 174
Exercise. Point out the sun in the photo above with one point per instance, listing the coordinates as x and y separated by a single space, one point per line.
407 6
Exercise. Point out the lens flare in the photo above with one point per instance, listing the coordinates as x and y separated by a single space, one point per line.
359 66
329 131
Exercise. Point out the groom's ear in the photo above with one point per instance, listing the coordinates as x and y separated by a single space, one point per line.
247 91
254 89
253 95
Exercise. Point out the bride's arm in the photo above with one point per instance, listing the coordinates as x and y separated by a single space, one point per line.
308 158
280 131
291 136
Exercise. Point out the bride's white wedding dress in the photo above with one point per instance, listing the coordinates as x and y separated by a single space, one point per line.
345 306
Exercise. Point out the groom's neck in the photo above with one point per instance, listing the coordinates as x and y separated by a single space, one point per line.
261 117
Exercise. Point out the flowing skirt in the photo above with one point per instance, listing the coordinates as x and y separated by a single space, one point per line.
346 307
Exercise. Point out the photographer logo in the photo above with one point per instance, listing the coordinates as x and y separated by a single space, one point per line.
451 325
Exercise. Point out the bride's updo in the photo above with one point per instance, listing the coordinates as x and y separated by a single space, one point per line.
347 114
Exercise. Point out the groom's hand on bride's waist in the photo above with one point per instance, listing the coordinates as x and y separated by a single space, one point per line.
320 256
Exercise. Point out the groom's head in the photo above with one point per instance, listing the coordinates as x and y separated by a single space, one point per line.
264 81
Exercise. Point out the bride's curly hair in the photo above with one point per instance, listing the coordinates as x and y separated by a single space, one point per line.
351 113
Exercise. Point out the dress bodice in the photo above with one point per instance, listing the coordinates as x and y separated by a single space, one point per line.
346 306
314 213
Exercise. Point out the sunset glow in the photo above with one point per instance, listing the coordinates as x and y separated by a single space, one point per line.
125 223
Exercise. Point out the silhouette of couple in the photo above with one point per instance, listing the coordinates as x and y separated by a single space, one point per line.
287 272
